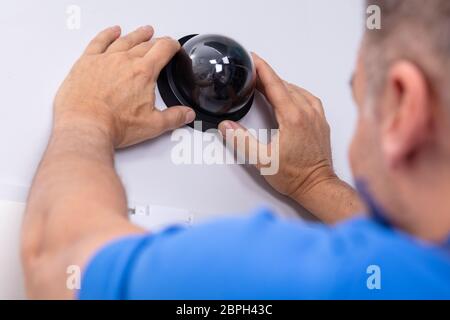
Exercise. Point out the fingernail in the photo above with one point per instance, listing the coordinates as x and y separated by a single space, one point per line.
147 28
229 125
117 30
190 116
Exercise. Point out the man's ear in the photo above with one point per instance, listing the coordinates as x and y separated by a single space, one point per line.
406 115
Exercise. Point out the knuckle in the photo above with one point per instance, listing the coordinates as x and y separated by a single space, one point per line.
140 69
179 118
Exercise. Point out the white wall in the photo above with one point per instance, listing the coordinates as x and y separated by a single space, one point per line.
11 281
310 42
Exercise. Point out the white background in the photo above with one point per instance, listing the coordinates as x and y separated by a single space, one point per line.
312 43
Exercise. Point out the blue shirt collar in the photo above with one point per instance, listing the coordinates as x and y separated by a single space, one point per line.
375 210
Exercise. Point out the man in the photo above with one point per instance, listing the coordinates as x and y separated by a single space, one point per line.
400 157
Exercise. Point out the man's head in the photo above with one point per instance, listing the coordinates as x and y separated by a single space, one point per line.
401 148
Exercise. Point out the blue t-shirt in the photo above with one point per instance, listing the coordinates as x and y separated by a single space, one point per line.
266 257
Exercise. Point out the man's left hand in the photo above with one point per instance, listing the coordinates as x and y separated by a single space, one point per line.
112 88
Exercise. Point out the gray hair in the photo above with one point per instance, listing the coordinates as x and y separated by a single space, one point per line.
415 30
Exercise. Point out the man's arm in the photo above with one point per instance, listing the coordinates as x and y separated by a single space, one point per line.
70 213
302 148
77 202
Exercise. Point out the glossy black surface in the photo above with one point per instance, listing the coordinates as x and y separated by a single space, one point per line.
214 74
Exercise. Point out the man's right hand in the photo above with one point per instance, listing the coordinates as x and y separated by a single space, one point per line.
305 163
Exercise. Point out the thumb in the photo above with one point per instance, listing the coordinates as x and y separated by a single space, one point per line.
175 117
241 141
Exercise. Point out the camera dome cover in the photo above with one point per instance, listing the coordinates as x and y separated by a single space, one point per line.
214 75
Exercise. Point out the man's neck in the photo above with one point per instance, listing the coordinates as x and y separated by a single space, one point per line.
428 214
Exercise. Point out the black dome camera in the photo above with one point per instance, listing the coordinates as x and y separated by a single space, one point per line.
212 74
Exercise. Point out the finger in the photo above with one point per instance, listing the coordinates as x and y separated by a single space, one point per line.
160 54
172 118
271 85
241 141
141 49
103 40
132 39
